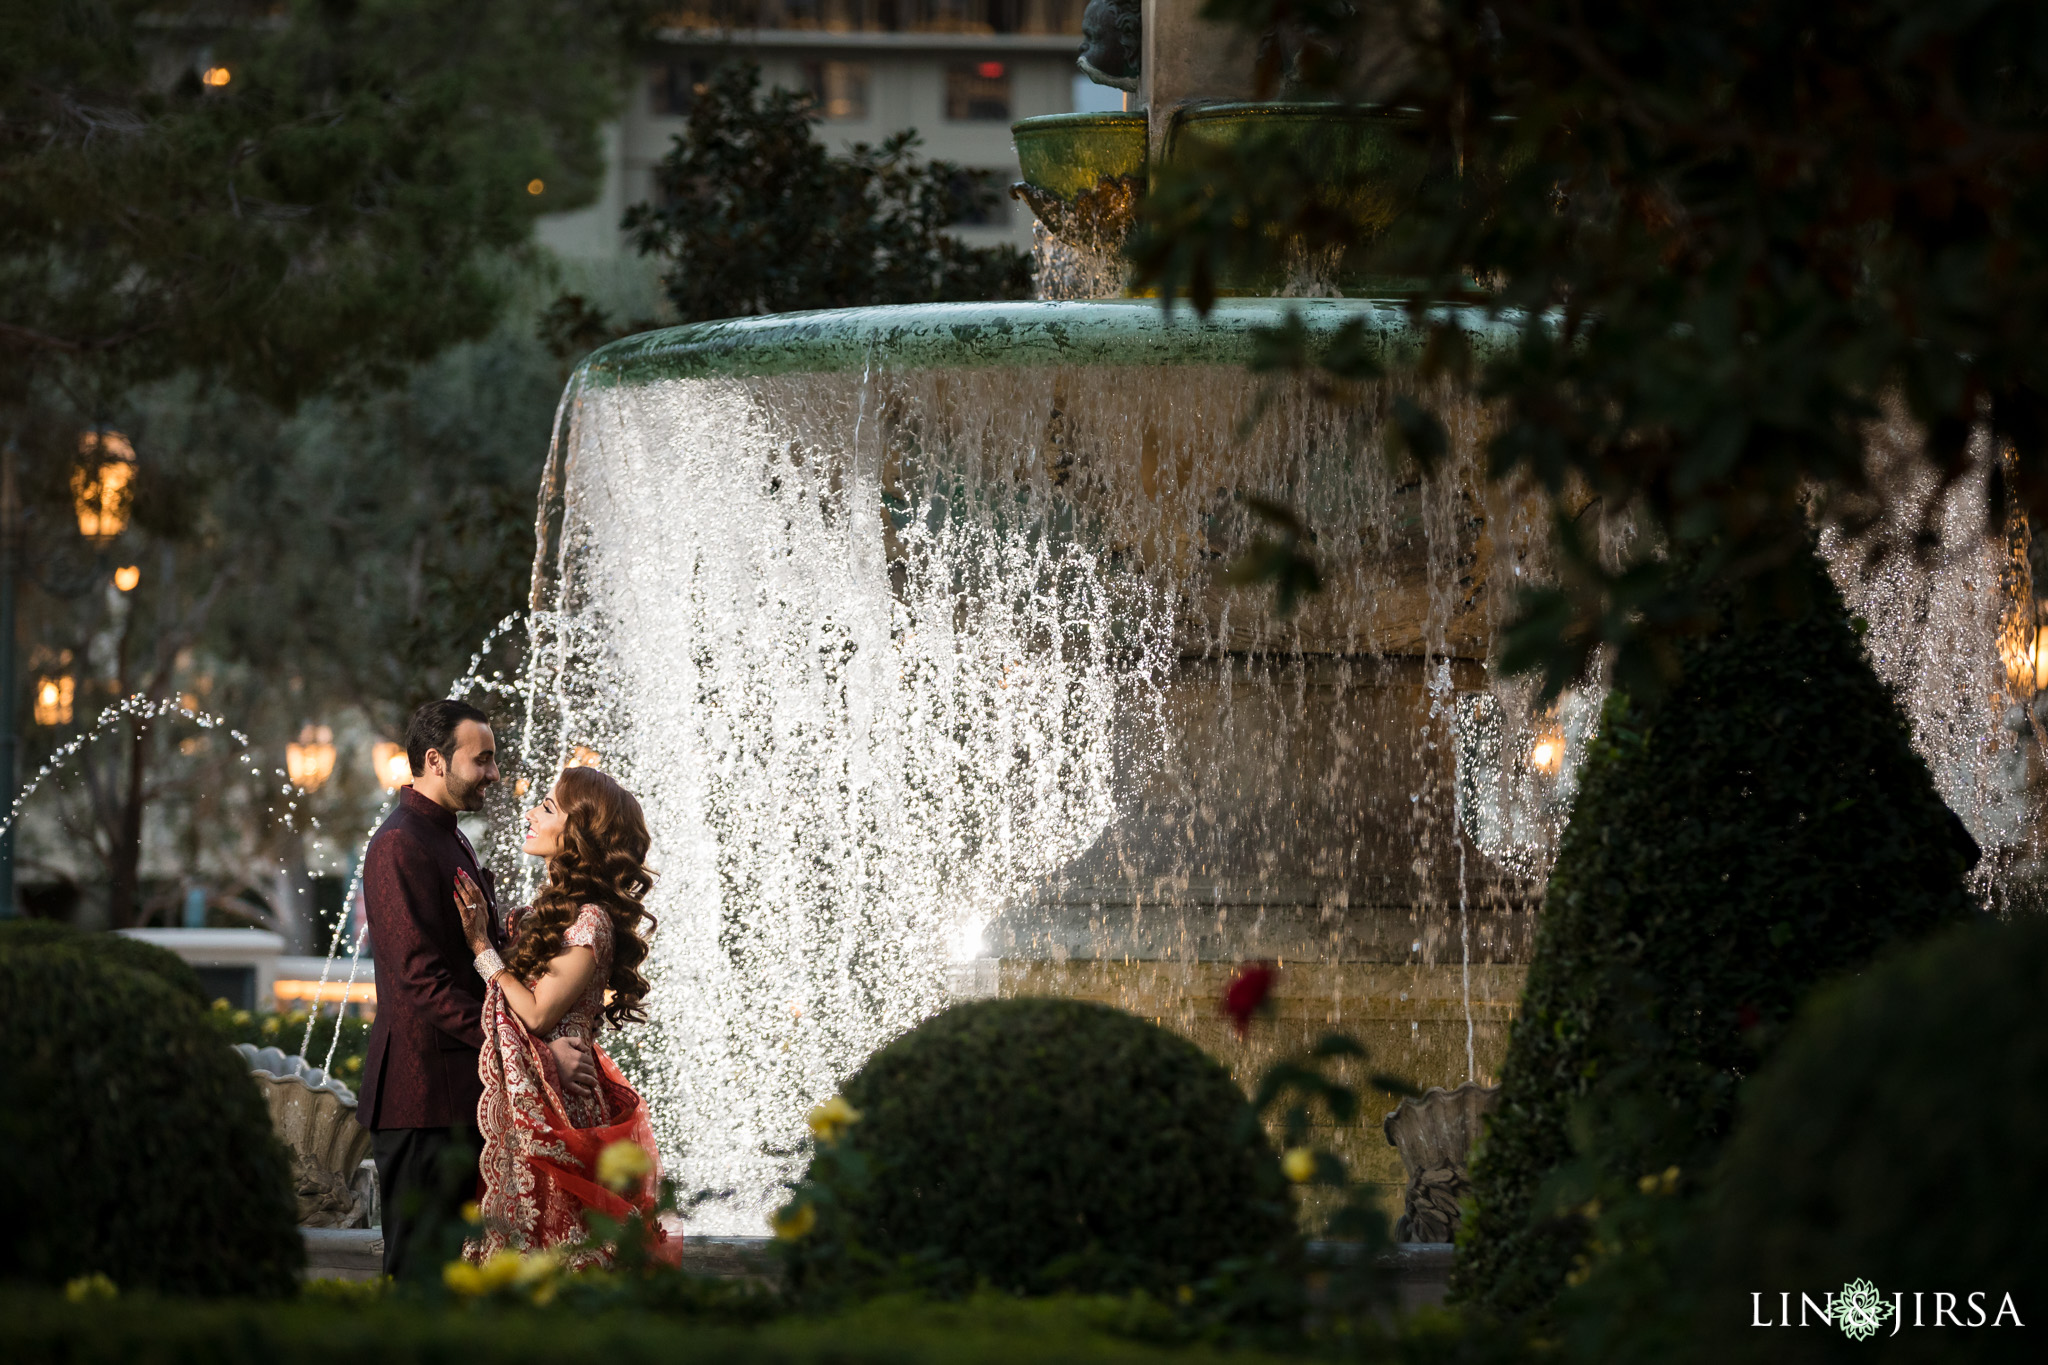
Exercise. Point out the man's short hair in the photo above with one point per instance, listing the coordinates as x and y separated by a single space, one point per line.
433 727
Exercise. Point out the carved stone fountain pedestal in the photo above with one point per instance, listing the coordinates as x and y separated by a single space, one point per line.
315 1115
1434 1135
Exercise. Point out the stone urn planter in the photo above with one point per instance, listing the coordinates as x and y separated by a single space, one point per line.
315 1115
1434 1135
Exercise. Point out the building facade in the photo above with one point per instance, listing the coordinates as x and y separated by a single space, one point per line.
958 71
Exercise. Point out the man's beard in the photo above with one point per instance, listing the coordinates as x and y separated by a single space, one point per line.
469 795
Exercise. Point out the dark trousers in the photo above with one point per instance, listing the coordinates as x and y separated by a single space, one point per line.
424 1177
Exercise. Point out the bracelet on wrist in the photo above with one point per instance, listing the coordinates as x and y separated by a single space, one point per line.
489 964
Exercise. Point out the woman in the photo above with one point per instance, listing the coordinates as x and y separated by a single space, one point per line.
574 962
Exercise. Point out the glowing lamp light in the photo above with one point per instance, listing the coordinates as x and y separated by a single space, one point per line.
310 762
53 700
990 71
215 76
100 491
535 186
1548 755
394 769
582 757
2026 663
126 578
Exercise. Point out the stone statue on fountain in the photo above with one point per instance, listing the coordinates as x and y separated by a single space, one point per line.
1112 43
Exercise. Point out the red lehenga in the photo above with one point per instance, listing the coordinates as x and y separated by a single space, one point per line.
539 1166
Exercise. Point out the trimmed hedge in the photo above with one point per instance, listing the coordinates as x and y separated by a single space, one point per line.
117 948
132 1142
1763 827
1896 1137
1041 1145
987 1330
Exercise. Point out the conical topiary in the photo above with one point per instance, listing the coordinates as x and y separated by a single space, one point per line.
1762 827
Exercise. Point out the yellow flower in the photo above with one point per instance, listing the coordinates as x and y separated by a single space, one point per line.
537 1267
88 1287
242 1018
832 1118
623 1165
1299 1165
1664 1183
472 1212
1186 1294
795 1224
500 1268
351 1065
464 1278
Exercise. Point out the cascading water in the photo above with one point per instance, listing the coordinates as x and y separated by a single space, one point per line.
904 625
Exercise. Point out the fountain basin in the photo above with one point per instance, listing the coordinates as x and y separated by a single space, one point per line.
1011 335
1067 155
905 625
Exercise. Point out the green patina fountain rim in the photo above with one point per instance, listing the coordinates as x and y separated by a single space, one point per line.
1067 155
1109 332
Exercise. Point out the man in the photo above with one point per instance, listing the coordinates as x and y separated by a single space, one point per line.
420 1086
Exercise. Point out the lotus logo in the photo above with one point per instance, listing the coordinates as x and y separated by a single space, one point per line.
1860 1310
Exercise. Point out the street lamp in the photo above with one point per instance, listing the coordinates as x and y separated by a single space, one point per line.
310 762
394 769
54 697
100 490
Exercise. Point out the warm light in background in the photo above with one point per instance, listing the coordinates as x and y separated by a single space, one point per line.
53 700
215 76
355 993
580 757
990 71
2026 665
1548 755
534 186
126 578
100 492
311 761
394 769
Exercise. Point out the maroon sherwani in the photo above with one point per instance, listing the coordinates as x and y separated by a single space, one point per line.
420 1084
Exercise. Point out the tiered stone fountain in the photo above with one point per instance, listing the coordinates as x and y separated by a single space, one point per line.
906 623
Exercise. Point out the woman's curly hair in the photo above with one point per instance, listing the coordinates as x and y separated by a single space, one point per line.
602 862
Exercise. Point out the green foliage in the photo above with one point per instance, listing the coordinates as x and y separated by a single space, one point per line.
1895 1137
1039 1145
114 949
1726 235
133 1143
988 1329
1762 828
286 1030
327 214
756 216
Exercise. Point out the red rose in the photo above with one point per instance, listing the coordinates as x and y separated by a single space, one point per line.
1250 991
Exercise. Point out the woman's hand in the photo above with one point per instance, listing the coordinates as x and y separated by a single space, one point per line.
476 914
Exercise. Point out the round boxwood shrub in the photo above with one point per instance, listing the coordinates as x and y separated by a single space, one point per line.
132 1141
1896 1138
1763 826
119 948
1047 1144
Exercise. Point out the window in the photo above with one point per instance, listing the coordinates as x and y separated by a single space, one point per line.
838 89
879 16
987 200
978 92
675 85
